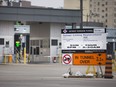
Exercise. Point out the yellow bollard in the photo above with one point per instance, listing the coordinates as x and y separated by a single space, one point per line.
4 59
16 58
60 57
114 65
24 55
29 58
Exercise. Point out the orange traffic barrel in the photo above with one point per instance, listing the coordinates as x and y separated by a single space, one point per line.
108 68
10 59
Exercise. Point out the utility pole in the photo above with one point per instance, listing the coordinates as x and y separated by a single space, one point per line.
81 8
8 3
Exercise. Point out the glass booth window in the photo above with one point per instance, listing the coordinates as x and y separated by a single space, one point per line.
54 42
1 41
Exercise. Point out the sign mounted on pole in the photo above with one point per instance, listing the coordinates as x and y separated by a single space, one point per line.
83 39
67 59
82 42
89 59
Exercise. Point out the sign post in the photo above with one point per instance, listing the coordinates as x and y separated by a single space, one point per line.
67 58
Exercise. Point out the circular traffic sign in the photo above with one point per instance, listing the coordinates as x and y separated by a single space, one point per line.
67 59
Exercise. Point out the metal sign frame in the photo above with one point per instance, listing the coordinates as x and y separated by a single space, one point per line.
85 41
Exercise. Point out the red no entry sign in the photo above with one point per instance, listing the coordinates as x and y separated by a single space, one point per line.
67 59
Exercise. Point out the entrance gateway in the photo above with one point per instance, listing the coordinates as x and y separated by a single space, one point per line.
39 48
87 46
44 22
21 41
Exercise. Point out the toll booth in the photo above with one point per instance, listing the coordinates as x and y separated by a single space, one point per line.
111 42
21 39
39 50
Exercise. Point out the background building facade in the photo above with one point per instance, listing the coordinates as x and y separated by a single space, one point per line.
75 4
102 11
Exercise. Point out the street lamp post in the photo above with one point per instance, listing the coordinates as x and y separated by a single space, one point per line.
81 8
113 47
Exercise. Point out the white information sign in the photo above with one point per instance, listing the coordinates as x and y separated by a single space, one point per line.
83 46
84 41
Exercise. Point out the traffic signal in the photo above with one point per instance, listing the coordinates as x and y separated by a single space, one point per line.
17 43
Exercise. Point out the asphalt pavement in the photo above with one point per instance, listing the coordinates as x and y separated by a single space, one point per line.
47 75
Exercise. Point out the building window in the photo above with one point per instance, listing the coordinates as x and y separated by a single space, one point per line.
106 9
1 41
90 0
114 20
102 16
98 15
98 3
90 5
114 3
106 3
98 9
106 14
115 15
54 42
106 20
114 9
103 5
114 26
102 10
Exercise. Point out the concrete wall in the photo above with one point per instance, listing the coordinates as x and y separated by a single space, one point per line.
7 32
55 33
39 14
41 30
